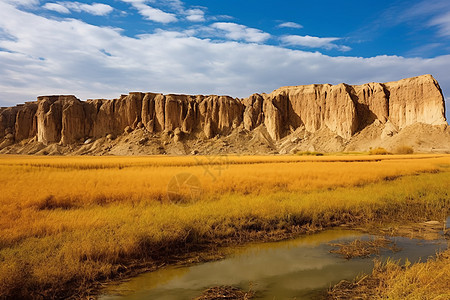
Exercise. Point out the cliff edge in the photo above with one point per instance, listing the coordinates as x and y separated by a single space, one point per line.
319 117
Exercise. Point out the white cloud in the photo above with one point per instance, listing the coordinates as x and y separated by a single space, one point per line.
57 7
239 32
97 9
443 22
151 13
24 3
176 5
40 57
290 25
427 13
221 18
195 15
313 42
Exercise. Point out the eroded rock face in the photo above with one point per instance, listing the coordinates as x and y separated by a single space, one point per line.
253 116
26 122
372 103
416 100
49 118
342 110
315 107
73 122
8 120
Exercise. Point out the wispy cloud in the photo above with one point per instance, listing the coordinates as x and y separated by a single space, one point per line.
240 32
290 25
175 5
443 22
195 15
430 13
313 42
424 50
23 3
97 9
57 7
151 13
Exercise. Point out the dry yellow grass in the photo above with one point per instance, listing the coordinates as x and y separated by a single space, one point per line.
70 221
390 280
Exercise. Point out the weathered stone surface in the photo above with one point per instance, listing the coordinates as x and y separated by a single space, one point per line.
175 111
341 110
26 122
372 103
417 99
315 107
7 120
49 118
148 111
73 122
253 116
160 107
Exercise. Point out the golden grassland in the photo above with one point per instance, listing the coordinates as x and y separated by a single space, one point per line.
391 280
69 222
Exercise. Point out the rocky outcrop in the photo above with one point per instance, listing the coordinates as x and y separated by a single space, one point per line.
313 106
416 100
342 110
26 122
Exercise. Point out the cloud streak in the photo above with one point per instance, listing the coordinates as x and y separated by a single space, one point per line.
96 9
57 7
239 32
290 25
313 42
150 13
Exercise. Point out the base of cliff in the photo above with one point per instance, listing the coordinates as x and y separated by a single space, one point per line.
422 138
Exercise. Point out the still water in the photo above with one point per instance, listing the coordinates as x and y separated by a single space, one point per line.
302 268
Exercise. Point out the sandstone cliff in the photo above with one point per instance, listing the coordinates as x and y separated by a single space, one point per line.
341 112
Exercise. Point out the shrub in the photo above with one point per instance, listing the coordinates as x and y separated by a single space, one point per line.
379 151
309 153
404 150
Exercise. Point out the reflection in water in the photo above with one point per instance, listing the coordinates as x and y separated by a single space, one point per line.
295 268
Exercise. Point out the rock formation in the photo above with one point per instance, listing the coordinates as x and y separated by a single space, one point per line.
341 110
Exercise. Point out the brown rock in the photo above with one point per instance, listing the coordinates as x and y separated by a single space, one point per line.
253 116
25 126
159 120
49 118
372 103
73 122
148 111
7 120
417 99
175 111
101 118
340 111
128 129
127 111
315 107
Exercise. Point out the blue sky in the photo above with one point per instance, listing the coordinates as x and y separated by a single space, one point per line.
103 49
